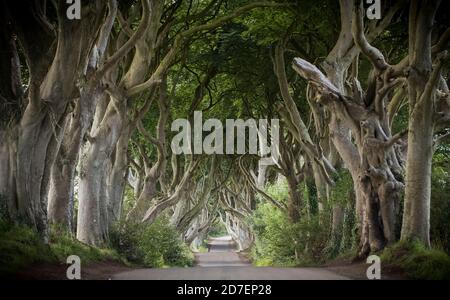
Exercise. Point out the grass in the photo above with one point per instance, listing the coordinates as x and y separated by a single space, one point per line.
65 245
202 249
417 261
20 246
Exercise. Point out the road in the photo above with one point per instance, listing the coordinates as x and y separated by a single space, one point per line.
222 262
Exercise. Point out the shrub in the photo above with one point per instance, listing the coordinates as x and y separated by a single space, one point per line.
280 242
125 239
4 215
309 241
344 238
275 237
155 245
217 230
440 201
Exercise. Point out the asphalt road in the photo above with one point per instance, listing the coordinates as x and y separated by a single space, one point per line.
222 262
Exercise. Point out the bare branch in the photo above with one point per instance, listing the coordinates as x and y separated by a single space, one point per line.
441 139
144 24
373 54
391 142
261 192
433 81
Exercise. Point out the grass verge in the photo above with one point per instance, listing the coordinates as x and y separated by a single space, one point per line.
20 247
417 261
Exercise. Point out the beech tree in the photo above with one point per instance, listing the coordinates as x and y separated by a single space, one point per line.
362 105
371 155
369 152
111 125
57 57
428 115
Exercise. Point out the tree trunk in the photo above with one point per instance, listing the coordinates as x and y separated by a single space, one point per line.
203 198
8 204
61 192
116 180
153 174
423 80
48 96
295 199
94 166
168 201
416 216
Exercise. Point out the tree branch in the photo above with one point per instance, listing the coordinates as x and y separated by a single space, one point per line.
170 56
373 54
128 46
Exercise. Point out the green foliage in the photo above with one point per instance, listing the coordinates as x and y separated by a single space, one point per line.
155 245
417 261
344 238
440 201
217 230
63 244
310 195
309 241
266 26
344 186
20 246
3 208
279 242
401 120
279 191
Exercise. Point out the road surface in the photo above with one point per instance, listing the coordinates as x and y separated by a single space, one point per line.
222 262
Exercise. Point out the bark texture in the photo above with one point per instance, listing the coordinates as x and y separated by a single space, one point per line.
423 82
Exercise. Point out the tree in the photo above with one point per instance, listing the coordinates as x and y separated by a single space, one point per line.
369 152
428 112
55 57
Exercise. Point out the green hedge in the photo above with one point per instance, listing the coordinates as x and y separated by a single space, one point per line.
155 245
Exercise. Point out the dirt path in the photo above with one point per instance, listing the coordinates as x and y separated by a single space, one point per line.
223 263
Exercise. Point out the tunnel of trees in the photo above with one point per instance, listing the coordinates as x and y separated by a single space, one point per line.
88 106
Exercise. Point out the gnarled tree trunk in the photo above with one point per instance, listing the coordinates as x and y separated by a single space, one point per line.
49 93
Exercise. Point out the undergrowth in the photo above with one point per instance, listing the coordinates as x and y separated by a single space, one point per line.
20 246
417 261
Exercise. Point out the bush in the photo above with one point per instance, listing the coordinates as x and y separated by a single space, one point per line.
3 208
155 245
275 237
417 261
217 230
440 201
280 242
309 241
344 239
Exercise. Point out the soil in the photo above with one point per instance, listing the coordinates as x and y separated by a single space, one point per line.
357 270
